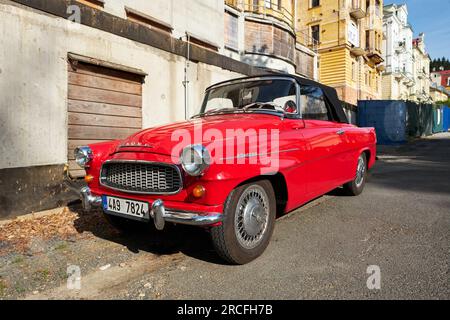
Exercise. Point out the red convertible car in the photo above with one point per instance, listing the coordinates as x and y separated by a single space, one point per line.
259 147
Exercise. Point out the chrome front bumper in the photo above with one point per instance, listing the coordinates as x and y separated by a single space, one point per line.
159 213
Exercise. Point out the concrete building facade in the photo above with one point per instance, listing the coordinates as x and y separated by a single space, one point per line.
76 72
348 34
398 76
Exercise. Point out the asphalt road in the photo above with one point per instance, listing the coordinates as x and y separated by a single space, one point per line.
401 224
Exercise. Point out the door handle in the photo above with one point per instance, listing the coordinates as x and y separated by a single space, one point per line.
340 132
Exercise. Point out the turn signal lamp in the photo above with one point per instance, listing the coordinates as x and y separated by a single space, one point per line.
88 178
199 191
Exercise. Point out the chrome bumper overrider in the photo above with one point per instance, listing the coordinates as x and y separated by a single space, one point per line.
89 200
159 213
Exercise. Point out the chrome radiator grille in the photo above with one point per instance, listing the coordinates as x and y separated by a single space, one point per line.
141 177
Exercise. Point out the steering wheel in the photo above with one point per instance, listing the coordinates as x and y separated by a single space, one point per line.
290 107
263 105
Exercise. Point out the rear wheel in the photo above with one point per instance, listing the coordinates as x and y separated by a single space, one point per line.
356 187
249 220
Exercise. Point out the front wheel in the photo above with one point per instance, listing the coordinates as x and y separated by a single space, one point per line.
249 220
356 187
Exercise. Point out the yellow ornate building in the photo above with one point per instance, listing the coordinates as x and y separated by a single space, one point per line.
349 37
421 91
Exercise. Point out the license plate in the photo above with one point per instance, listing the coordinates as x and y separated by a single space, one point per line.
126 207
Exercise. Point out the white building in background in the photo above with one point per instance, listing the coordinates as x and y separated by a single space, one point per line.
398 79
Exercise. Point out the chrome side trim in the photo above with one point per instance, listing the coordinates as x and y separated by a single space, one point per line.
253 155
143 162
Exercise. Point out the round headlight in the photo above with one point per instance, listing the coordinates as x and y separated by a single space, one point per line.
195 160
83 155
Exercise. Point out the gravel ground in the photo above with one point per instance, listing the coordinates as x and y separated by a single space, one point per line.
401 223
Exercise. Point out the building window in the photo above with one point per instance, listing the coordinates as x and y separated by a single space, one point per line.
315 3
231 31
378 7
255 5
97 4
268 4
203 43
367 39
315 33
378 42
280 5
353 70
142 18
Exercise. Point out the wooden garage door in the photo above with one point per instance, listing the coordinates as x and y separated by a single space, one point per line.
103 104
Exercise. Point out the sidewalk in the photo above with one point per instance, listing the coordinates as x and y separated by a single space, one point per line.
394 149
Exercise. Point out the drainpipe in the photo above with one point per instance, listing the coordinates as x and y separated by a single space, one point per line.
339 22
295 17
186 77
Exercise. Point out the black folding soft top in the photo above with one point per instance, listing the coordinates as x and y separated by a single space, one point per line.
329 92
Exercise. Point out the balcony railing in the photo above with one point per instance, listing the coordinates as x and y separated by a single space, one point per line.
304 38
232 3
374 19
357 9
421 73
400 47
266 8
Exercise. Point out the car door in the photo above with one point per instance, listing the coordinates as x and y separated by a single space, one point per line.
324 138
353 141
293 156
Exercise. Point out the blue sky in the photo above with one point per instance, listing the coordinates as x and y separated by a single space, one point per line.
433 18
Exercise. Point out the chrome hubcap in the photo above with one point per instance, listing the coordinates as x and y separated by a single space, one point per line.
252 215
360 172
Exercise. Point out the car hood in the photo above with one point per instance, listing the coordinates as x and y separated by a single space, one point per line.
164 139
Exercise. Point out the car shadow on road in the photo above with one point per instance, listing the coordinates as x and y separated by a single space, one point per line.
191 241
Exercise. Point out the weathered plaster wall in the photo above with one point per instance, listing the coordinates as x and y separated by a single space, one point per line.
184 16
33 81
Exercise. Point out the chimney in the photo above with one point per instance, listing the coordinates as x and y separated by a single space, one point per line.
422 37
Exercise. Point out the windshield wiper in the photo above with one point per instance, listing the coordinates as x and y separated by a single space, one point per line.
219 111
259 106
254 107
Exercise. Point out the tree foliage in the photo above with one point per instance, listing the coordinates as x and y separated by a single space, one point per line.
436 64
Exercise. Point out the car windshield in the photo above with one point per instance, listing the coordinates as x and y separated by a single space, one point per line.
268 96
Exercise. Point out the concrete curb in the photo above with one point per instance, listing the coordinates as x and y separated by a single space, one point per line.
34 215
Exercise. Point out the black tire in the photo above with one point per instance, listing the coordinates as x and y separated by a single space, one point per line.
225 238
353 188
